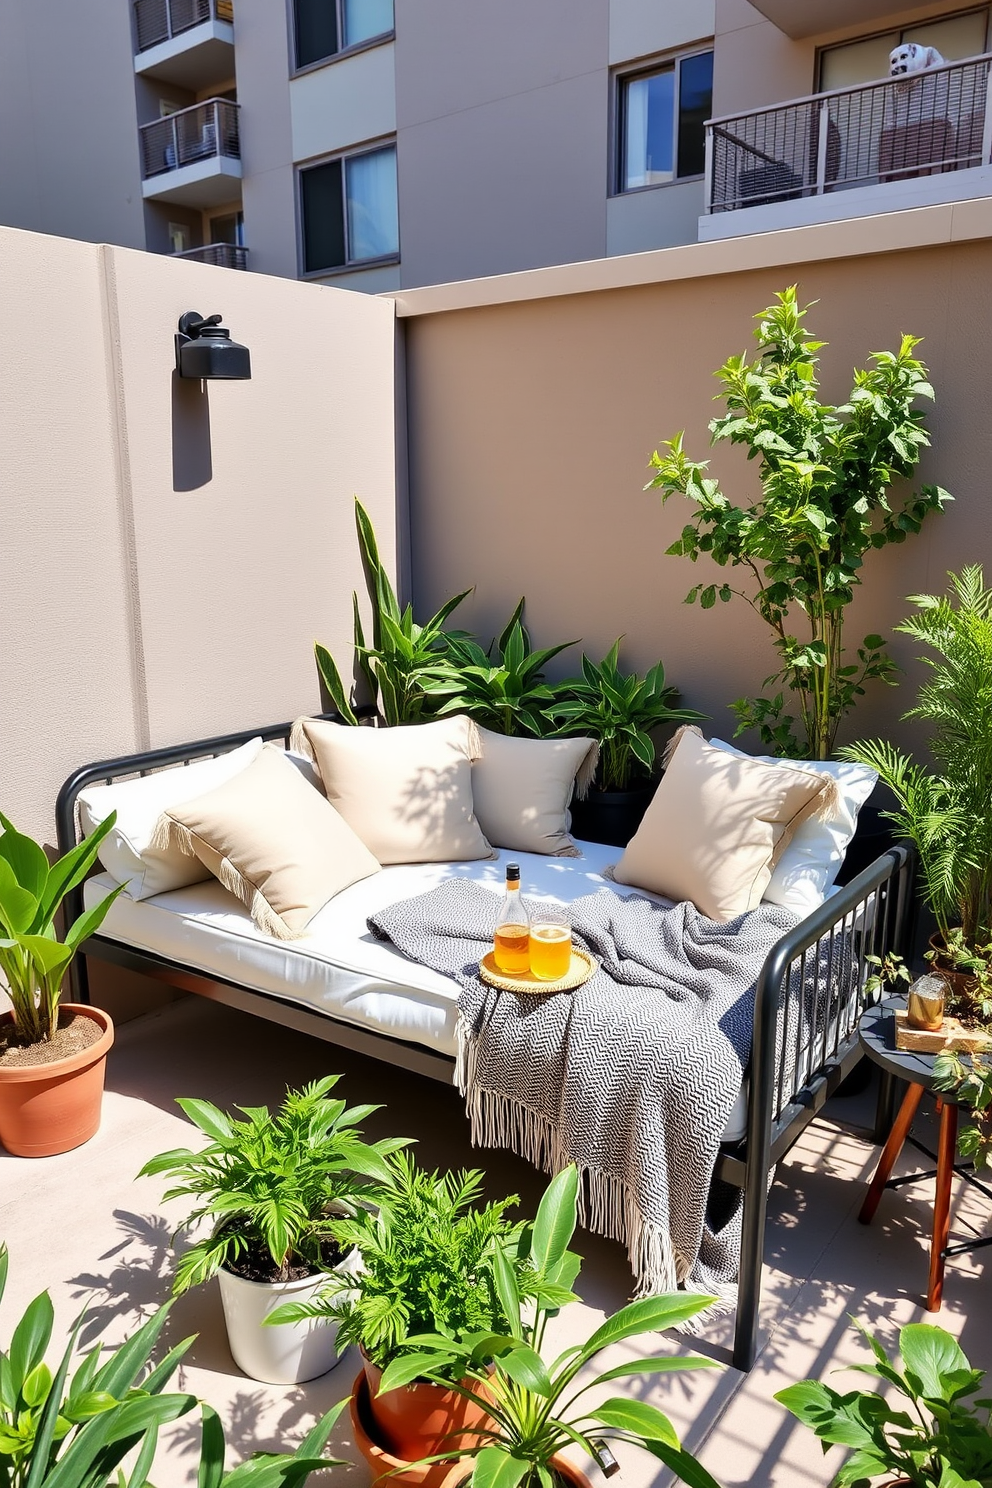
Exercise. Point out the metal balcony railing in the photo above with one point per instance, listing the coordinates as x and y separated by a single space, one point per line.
221 255
920 125
156 21
202 132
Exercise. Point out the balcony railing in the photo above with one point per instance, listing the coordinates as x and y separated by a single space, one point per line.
156 21
221 255
192 135
920 125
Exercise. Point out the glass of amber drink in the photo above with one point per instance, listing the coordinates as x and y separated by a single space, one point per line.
550 941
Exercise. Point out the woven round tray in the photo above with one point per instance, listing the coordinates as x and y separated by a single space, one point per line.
582 967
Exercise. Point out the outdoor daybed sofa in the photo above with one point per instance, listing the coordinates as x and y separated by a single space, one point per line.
341 984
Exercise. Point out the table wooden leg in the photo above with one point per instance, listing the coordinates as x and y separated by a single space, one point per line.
946 1148
890 1152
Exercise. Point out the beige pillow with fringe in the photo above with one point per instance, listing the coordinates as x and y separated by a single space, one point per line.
522 788
717 825
406 791
273 841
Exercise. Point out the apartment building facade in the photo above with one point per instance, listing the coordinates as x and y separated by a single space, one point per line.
384 144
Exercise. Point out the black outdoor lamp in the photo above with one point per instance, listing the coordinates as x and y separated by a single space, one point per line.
204 349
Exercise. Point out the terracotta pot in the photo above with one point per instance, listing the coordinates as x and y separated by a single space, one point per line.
386 1468
420 1420
50 1108
960 984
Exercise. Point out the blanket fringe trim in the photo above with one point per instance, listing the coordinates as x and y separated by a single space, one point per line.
606 1204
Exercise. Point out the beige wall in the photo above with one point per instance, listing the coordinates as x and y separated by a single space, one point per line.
169 555
531 424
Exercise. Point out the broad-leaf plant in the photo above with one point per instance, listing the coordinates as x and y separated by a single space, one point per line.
797 550
539 1406
932 1434
33 960
272 1185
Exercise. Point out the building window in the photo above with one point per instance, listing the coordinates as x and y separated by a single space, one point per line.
229 228
867 60
662 116
326 27
349 210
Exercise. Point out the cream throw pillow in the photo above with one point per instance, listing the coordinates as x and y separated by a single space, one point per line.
273 841
522 788
406 791
717 825
127 852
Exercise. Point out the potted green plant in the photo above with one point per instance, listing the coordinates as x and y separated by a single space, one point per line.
825 502
536 1408
941 1441
62 1432
428 1264
53 1054
621 710
395 664
271 1187
503 688
945 812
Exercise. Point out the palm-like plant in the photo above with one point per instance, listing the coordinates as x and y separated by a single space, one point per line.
428 1264
537 1409
619 709
273 1184
502 688
33 960
395 664
945 812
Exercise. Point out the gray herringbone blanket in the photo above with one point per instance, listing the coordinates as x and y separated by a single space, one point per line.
632 1076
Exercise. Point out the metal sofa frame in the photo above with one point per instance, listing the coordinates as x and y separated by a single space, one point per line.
871 914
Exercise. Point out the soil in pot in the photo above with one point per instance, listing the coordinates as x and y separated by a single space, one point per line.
255 1263
50 1105
421 1419
961 986
75 1034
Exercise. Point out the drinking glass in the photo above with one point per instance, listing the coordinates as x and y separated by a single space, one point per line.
550 941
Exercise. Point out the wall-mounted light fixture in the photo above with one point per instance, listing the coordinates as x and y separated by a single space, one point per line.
204 349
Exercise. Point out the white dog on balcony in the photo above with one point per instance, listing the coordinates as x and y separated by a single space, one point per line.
911 57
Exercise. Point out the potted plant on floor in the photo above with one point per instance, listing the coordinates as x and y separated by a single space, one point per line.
58 1431
941 1441
825 502
273 1187
536 1408
621 711
53 1054
429 1260
945 812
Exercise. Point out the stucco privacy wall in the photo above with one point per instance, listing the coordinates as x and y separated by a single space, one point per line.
170 555
532 421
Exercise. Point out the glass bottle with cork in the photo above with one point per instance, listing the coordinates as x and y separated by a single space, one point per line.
511 943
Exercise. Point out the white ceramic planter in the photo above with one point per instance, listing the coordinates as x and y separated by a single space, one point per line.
288 1353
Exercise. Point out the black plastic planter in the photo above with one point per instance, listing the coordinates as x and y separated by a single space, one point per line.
611 816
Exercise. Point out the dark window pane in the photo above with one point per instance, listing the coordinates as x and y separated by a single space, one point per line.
323 217
695 107
316 30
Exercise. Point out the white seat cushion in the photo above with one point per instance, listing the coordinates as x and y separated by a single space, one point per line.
338 967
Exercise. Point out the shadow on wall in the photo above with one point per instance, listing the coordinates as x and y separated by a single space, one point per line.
192 466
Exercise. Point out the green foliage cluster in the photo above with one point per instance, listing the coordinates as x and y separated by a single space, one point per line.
537 1408
273 1184
32 958
396 664
945 811
825 476
503 688
62 1432
429 1256
971 1085
619 709
941 1441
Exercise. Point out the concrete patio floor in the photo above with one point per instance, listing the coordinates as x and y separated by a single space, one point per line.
83 1226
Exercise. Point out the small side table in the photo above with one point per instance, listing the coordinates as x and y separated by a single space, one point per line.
877 1035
